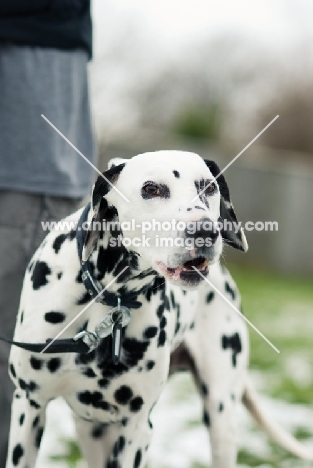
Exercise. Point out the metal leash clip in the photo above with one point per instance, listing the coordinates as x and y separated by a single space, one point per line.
112 323
90 338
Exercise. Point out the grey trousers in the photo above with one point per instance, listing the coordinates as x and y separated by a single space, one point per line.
20 234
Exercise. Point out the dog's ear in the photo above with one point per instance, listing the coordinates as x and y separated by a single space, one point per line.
116 162
99 206
227 213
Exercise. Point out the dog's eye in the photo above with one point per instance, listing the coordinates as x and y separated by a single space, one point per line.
210 189
152 190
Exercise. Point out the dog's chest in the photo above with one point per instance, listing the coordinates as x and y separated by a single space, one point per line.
107 392
182 311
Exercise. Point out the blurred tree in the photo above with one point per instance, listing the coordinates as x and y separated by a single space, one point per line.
293 131
211 87
202 121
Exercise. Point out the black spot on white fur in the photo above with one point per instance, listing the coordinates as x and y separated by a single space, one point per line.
94 399
150 365
34 404
38 437
136 404
230 290
234 343
39 276
54 317
163 322
98 431
123 395
119 446
206 418
58 241
17 454
162 338
54 364
36 421
12 371
210 297
204 389
36 363
103 383
150 332
134 351
137 460
22 384
89 372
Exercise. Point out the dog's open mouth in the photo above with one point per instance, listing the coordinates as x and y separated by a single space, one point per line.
185 270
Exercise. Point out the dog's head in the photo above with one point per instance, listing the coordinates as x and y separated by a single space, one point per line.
173 209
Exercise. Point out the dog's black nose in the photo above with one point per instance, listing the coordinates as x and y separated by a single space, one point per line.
204 229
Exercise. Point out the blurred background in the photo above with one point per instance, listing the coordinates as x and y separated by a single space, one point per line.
208 76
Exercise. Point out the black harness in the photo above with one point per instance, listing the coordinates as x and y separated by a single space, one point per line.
113 322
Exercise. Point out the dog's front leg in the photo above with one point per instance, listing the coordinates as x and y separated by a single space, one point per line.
220 419
27 426
218 354
119 445
219 411
92 438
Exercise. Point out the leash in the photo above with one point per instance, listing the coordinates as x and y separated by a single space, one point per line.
86 341
112 324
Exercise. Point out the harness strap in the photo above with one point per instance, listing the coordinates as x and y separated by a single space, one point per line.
58 346
90 282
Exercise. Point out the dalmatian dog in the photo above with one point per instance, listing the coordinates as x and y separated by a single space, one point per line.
174 319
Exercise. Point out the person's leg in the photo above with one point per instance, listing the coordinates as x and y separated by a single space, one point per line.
20 234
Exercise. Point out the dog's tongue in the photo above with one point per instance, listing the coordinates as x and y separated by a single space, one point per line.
175 272
187 267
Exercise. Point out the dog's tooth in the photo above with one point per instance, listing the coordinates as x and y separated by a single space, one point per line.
178 270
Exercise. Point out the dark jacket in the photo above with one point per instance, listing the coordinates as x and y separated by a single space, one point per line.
61 24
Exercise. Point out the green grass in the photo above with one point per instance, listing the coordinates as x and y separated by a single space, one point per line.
302 433
72 454
282 308
246 458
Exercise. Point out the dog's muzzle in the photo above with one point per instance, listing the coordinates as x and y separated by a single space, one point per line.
199 239
205 234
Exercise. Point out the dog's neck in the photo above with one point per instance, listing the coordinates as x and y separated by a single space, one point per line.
111 259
